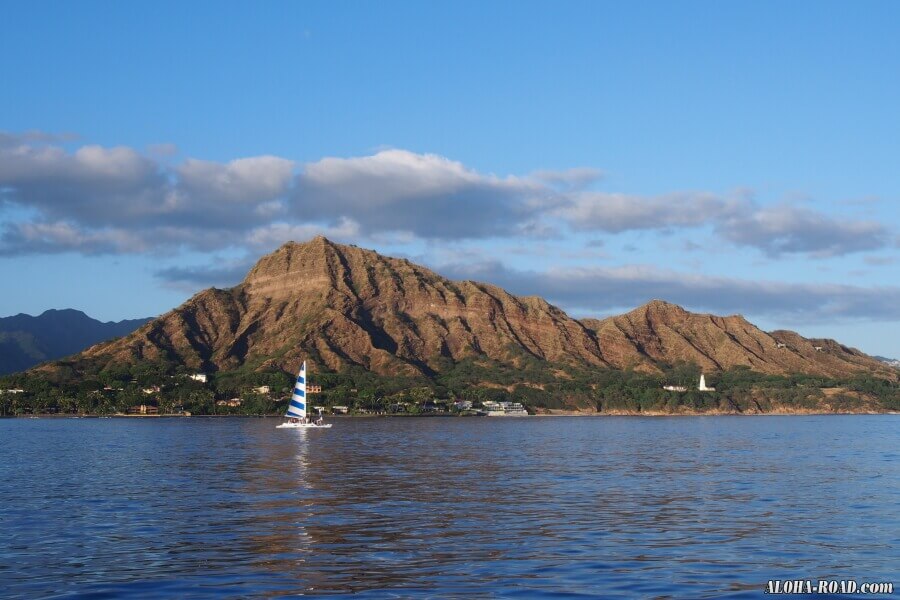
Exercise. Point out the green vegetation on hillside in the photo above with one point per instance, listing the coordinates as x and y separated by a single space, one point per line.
533 382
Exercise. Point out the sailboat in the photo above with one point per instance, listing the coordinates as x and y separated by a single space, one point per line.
296 412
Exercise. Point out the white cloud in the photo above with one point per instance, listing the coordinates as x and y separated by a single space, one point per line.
788 229
106 194
246 180
574 178
615 213
601 290
424 194
221 273
774 230
59 236
119 163
275 234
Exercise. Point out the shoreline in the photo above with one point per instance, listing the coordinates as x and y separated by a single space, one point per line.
553 413
720 414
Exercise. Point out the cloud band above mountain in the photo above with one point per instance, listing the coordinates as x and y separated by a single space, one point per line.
602 290
88 199
94 200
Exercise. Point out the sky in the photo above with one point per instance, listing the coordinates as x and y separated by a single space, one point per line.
732 157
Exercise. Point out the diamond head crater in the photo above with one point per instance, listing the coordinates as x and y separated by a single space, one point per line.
383 335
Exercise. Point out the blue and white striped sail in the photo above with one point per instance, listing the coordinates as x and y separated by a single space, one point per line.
297 407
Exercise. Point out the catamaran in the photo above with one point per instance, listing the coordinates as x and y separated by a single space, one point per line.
296 412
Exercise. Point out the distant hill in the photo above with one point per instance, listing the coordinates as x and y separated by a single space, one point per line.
664 333
888 361
342 306
26 340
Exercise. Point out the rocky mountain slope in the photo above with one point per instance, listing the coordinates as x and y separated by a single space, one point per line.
342 305
339 305
26 340
660 332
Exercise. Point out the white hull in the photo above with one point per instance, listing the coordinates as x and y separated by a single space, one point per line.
302 426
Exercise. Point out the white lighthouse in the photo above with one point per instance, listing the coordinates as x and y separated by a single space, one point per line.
702 387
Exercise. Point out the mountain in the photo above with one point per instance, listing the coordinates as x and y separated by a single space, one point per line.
26 340
660 332
342 305
339 305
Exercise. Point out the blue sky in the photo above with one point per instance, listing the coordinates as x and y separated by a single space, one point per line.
732 157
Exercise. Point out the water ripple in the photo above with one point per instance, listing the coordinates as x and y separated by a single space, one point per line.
395 508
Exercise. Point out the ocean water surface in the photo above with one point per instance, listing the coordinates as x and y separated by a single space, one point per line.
617 507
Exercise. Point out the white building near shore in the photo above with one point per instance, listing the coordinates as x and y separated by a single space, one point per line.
702 387
504 409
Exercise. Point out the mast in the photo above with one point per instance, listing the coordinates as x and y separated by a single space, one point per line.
297 407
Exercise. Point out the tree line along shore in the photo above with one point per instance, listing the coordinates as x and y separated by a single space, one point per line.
461 388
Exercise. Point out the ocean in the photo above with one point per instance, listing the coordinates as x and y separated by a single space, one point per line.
611 507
